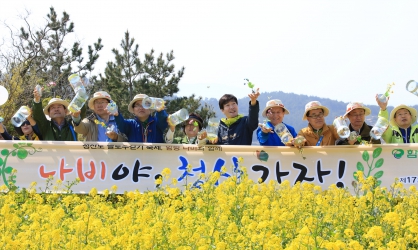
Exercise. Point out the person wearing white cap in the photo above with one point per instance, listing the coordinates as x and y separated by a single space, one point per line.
101 125
356 112
58 128
275 112
318 133
145 127
402 121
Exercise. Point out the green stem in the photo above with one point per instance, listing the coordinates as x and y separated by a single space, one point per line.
3 169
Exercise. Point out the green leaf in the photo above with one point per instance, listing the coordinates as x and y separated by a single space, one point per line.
13 153
22 153
355 177
29 144
379 163
378 174
8 170
5 152
16 145
377 152
1 161
360 166
365 156
378 183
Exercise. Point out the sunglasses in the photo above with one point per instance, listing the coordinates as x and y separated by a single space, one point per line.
25 123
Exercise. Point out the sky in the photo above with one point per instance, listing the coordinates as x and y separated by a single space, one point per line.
342 50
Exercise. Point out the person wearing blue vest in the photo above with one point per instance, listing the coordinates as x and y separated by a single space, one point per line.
267 135
145 127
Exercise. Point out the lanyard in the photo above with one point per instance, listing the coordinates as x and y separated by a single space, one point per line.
320 140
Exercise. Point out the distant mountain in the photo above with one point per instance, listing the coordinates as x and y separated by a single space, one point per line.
296 105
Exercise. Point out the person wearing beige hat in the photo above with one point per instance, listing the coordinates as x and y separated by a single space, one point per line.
356 112
101 125
145 127
58 128
318 133
402 119
274 112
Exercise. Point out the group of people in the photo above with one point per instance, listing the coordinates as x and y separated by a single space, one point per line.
51 123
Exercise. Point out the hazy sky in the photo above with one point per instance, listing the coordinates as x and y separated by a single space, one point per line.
343 50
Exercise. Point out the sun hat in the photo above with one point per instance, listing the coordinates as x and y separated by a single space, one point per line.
403 106
56 101
138 97
196 117
274 103
357 105
314 105
98 95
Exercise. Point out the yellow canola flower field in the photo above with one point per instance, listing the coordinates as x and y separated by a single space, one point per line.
236 214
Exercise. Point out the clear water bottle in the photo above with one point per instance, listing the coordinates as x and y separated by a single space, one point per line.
20 116
178 117
282 131
353 135
153 103
412 87
212 129
78 101
39 89
76 83
299 141
341 125
110 128
379 128
112 107
383 97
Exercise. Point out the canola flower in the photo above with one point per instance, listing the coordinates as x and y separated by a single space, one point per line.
233 215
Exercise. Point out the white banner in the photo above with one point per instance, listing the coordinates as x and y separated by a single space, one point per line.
135 166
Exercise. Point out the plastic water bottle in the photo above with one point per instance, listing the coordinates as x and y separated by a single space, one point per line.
178 117
353 135
212 129
78 101
412 86
20 116
112 107
384 97
342 129
153 103
299 141
379 128
39 89
76 83
282 131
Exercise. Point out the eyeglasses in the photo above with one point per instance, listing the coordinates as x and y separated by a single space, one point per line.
316 116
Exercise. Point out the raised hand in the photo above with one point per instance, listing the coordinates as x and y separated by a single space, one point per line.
253 96
382 105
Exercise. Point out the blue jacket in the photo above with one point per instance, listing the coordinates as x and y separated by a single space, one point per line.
240 132
272 139
133 129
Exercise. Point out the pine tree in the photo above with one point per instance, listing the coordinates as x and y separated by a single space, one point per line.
128 75
40 56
